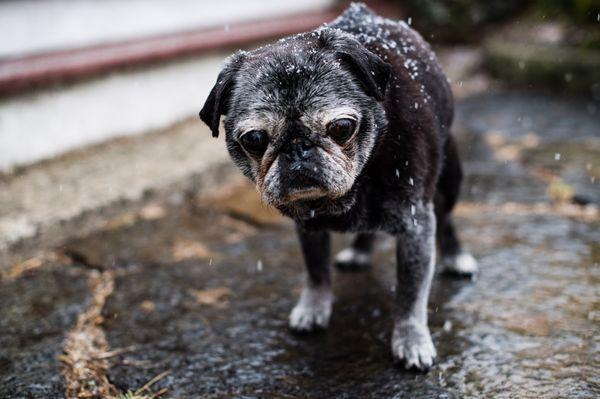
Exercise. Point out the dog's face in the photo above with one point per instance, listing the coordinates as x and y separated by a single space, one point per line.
302 116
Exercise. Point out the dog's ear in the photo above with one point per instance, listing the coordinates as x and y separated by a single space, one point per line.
370 70
218 100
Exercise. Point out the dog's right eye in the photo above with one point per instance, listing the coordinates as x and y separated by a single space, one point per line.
255 142
341 130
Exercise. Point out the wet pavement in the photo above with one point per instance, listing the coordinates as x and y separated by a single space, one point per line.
201 287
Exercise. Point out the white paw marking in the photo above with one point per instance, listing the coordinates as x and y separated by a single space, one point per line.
463 263
352 256
313 310
412 345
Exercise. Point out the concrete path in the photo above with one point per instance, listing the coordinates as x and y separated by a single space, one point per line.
192 293
55 198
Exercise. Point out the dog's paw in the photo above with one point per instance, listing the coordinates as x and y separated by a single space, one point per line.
463 264
313 310
352 260
412 346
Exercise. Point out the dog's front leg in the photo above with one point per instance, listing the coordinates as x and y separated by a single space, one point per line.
411 341
314 306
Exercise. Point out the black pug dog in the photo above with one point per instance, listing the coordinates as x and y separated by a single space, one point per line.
346 128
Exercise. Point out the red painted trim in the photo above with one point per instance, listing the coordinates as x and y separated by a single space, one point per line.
43 69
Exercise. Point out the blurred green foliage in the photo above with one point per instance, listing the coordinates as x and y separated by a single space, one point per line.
463 20
553 45
578 11
564 69
450 20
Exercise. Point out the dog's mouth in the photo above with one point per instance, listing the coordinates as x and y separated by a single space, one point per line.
300 187
303 193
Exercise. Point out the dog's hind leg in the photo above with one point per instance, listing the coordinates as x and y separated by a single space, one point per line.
358 256
313 309
453 258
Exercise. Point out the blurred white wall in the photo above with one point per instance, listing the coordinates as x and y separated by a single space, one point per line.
47 123
31 26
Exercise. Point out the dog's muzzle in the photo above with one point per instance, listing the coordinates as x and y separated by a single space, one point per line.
300 172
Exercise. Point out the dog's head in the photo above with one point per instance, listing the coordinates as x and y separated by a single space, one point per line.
302 115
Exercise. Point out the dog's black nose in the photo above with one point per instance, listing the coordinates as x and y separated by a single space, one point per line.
299 149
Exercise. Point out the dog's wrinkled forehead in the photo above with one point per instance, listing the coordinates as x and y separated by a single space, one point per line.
300 74
295 76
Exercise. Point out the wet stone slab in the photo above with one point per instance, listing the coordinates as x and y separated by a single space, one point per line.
219 324
36 310
515 113
528 141
531 318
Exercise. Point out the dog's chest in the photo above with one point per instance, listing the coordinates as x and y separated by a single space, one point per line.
373 211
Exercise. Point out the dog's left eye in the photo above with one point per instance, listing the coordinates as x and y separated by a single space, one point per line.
341 129
255 142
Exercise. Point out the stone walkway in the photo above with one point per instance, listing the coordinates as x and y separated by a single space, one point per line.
196 291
